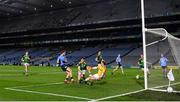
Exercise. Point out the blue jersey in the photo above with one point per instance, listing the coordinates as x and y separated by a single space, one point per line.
163 61
118 59
62 60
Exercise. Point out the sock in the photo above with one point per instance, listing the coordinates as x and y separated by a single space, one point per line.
84 77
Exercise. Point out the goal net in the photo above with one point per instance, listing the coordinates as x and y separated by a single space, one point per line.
160 43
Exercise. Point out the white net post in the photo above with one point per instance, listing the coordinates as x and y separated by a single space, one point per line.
144 44
175 49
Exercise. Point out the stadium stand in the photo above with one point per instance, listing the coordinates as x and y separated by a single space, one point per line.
81 18
87 14
44 56
82 28
133 57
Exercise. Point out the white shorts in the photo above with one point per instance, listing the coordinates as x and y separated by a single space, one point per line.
26 64
83 71
96 76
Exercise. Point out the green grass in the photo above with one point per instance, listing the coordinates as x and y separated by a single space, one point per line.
12 76
156 78
148 96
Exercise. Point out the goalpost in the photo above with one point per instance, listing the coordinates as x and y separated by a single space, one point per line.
144 44
157 42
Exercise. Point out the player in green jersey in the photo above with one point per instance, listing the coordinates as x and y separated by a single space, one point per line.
26 60
141 65
82 67
141 61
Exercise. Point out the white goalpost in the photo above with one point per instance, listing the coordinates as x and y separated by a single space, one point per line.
144 44
157 42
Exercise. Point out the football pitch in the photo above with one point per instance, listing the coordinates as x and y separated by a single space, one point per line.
46 84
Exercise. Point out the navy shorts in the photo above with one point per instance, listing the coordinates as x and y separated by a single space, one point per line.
119 64
141 66
64 67
163 67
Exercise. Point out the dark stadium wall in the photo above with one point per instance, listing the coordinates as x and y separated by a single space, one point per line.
85 14
75 24
130 29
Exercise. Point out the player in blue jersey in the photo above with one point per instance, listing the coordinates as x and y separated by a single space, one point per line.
163 63
63 63
119 63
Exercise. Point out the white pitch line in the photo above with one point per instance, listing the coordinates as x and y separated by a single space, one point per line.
164 85
36 85
136 92
104 98
51 94
160 90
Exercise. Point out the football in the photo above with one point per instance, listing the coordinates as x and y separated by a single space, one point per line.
169 89
137 76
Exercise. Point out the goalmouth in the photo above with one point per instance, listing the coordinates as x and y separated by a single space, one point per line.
157 42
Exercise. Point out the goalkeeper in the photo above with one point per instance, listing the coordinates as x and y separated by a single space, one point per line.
99 75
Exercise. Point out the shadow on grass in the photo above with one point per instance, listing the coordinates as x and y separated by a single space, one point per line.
140 82
100 82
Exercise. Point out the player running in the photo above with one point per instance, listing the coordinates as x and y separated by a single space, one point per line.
163 63
98 76
62 62
119 63
26 60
